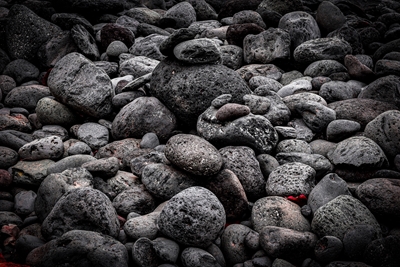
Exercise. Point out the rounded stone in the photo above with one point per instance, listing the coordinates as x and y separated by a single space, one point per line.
301 27
385 131
381 196
280 212
52 112
193 217
197 51
231 111
136 199
179 16
338 215
291 179
322 48
8 157
197 257
328 248
339 130
326 190
82 209
141 116
51 147
93 134
193 154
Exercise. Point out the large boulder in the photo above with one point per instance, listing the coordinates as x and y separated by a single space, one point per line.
76 82
187 90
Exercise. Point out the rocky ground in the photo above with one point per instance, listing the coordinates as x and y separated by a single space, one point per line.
200 133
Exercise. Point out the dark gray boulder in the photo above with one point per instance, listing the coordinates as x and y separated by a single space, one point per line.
326 190
82 209
301 27
287 244
187 90
52 112
165 181
193 154
361 110
21 71
233 244
141 116
55 185
338 215
81 248
301 181
197 257
45 148
267 46
26 96
193 217
31 173
78 83
230 192
381 197
280 212
85 42
197 51
254 131
179 16
384 89
357 152
26 32
329 17
136 199
385 131
322 48
241 160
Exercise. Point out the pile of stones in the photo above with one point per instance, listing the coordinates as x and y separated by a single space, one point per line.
200 133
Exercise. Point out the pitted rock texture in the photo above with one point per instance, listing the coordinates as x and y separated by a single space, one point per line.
193 217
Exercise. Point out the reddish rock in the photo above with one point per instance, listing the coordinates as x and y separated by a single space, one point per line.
232 111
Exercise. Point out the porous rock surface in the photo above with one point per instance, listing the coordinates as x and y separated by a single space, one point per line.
199 133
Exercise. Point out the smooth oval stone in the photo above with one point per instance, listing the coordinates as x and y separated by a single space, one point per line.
231 111
338 130
193 154
180 15
324 68
9 157
300 85
280 212
193 217
337 90
24 202
26 96
166 249
322 48
338 215
301 27
73 161
326 190
142 226
329 17
197 51
301 181
328 248
357 239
